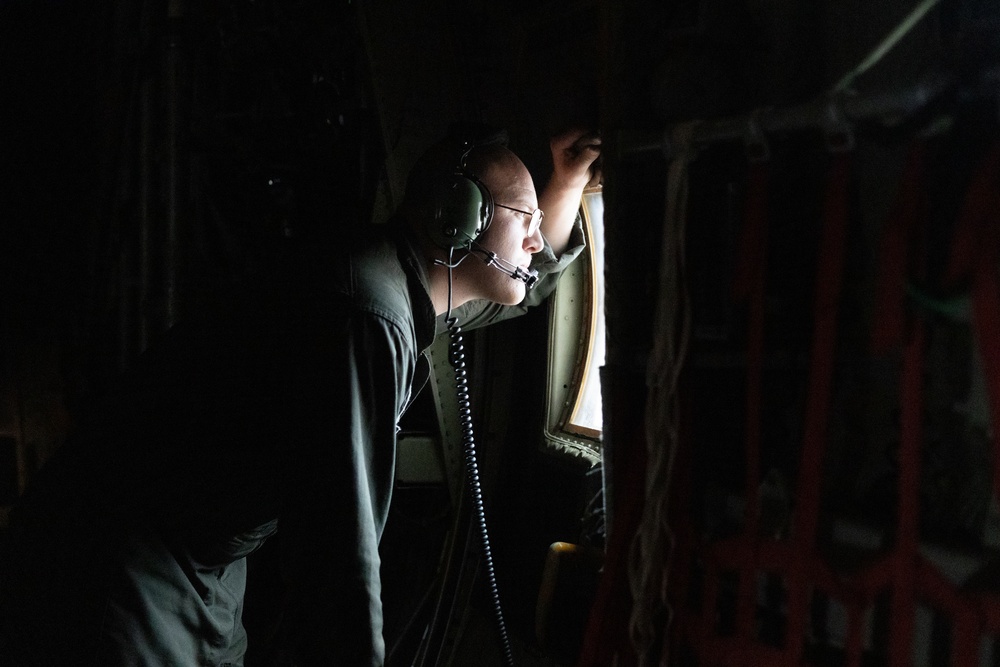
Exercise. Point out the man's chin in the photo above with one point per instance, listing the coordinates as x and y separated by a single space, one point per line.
517 296
512 296
503 290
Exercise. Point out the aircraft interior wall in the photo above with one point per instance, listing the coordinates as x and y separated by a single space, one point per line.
784 462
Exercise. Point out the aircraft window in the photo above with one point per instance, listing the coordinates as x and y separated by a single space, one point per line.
576 344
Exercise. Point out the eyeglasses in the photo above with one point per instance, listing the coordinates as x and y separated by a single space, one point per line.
536 217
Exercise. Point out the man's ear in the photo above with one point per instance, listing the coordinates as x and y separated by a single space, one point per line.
461 209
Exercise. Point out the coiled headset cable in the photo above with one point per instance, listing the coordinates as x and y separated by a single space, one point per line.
456 356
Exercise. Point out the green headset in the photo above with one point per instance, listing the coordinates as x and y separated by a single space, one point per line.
461 206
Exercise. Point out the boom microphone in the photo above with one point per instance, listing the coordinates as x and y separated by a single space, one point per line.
527 276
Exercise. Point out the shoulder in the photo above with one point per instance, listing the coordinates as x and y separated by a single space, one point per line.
375 279
377 273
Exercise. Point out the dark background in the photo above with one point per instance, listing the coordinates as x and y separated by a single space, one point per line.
152 150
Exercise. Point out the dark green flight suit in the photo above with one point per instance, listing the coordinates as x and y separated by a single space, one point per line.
276 406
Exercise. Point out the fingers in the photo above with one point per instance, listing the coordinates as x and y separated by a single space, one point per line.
576 140
574 154
596 178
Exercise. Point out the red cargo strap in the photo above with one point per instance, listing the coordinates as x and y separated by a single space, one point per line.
829 278
975 252
905 222
906 551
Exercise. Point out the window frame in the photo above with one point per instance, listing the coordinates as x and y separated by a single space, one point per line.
573 323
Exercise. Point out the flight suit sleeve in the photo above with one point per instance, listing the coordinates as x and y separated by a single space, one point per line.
480 312
349 396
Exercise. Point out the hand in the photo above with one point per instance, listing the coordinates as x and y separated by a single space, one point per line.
573 168
574 154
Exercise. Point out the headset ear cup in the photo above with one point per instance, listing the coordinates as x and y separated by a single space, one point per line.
462 208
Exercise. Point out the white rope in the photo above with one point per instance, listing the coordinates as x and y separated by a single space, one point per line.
653 542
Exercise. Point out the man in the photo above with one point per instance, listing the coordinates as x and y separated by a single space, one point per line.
275 408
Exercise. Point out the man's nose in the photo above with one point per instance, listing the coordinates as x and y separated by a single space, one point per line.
534 243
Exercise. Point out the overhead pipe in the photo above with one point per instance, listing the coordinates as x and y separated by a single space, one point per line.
833 114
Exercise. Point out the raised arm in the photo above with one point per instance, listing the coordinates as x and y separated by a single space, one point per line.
573 156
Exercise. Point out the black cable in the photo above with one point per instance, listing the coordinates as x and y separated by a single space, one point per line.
456 355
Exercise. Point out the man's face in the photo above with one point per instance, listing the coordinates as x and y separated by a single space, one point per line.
508 235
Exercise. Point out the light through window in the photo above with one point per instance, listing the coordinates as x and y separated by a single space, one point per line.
574 419
586 415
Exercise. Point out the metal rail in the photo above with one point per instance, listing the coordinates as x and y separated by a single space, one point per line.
834 114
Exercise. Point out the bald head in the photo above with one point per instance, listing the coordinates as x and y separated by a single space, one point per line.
498 168
494 165
444 210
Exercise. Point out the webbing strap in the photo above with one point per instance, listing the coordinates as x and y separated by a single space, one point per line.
973 260
978 213
906 220
829 279
974 256
986 319
907 576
